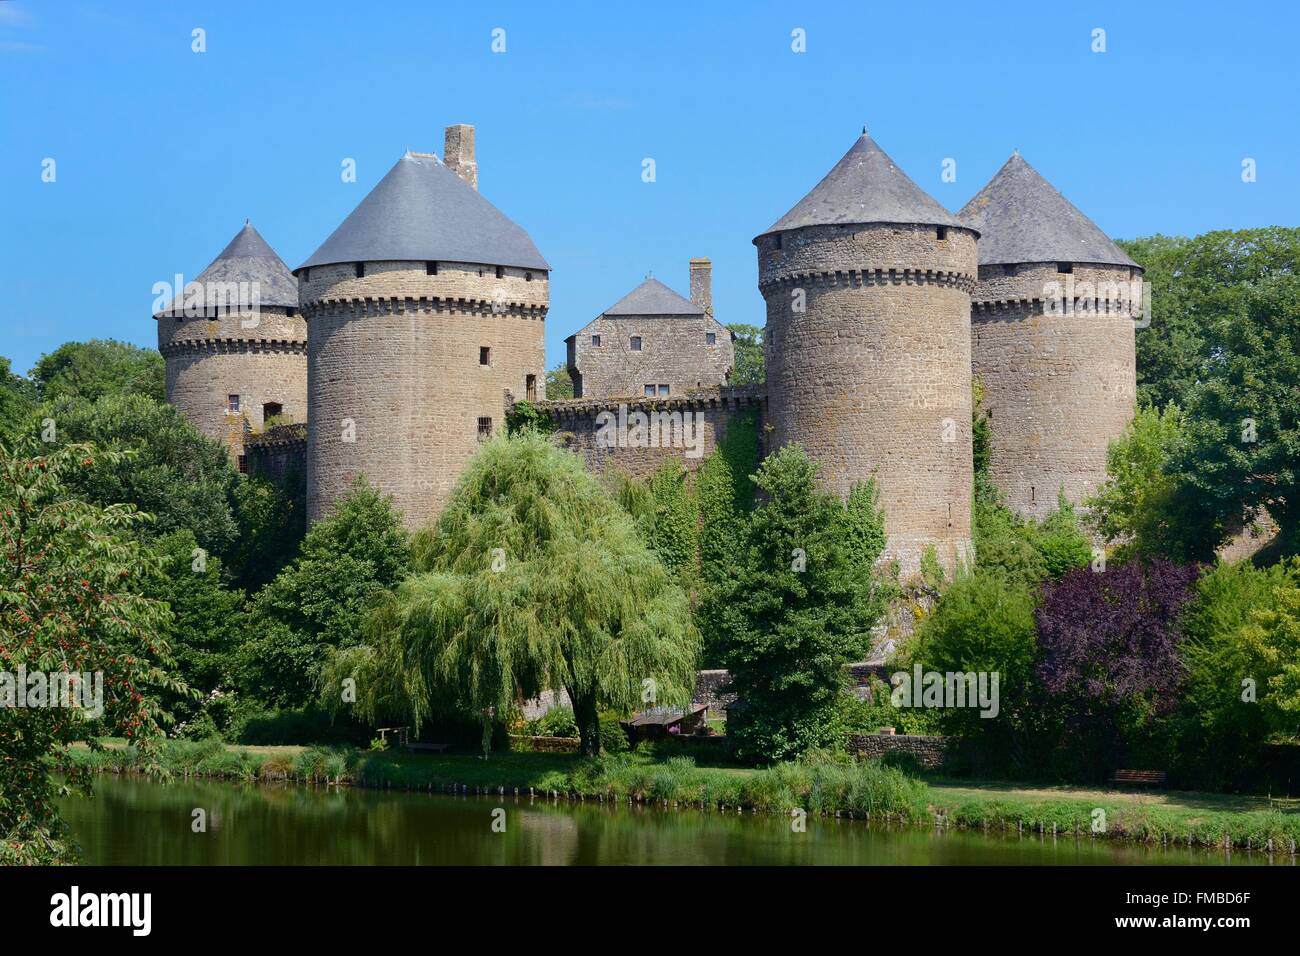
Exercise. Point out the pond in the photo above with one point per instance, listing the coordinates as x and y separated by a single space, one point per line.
135 821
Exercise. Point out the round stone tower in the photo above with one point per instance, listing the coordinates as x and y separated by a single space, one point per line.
425 313
1052 325
235 345
867 282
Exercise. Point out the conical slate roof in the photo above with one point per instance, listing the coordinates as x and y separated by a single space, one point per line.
422 211
1022 218
865 186
247 259
652 297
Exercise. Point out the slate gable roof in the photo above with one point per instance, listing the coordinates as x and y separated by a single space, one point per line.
652 297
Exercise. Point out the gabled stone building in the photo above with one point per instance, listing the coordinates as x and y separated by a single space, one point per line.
235 345
1052 326
652 343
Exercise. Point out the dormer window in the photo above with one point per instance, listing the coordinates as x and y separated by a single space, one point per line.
431 268
1009 270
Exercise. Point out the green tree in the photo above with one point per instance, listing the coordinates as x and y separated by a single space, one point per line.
100 367
983 624
320 601
69 604
1240 644
799 607
271 520
170 471
748 343
17 401
534 578
559 384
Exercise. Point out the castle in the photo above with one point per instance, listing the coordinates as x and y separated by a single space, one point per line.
405 339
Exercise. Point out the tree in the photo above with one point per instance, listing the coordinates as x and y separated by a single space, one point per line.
1241 448
748 344
17 400
169 470
534 578
559 384
321 600
1144 507
799 607
1241 644
1109 653
983 624
69 605
100 367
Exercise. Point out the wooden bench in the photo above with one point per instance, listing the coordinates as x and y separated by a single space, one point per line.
1139 778
430 748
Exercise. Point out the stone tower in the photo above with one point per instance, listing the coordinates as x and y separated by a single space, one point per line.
1052 325
867 282
235 345
425 312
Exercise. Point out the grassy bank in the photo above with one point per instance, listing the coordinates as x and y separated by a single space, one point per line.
863 790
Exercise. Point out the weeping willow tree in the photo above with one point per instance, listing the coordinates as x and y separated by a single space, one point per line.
533 579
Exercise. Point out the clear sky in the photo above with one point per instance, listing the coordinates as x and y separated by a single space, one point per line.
161 152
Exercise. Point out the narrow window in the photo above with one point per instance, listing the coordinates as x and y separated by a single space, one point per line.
242 464
361 270
595 340
501 272
1065 268
1031 494
306 274
530 387
431 268
777 243
484 355
271 410
710 338
636 343
650 391
941 233
480 273
663 391
484 429
232 404
1009 270
528 277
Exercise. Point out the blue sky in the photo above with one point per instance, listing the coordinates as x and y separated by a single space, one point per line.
162 152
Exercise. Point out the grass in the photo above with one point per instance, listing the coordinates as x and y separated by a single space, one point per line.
818 784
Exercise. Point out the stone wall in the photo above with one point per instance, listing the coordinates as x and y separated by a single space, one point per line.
261 357
278 452
930 752
711 690
674 352
869 368
394 377
1058 388
685 429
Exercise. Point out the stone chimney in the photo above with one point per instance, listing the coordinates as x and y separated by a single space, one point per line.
702 285
458 153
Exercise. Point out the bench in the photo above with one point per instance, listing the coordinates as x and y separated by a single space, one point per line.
430 748
1141 778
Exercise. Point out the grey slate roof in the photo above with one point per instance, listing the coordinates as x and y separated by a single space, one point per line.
652 297
865 186
422 211
248 259
1022 218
